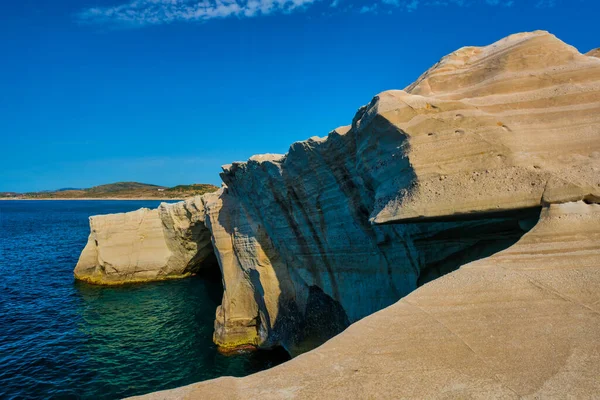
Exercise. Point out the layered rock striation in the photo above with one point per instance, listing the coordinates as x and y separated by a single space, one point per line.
146 245
521 324
316 239
503 127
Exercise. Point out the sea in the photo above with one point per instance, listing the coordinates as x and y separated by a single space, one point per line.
63 339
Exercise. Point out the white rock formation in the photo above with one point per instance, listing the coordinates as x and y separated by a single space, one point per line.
316 239
521 324
594 53
169 242
507 126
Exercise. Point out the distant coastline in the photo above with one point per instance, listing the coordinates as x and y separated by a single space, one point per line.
91 198
116 191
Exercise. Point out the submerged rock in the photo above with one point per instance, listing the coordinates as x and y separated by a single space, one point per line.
316 239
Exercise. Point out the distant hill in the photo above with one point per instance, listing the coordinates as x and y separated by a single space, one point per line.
118 190
196 189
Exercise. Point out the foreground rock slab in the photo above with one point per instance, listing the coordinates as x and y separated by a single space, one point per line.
523 323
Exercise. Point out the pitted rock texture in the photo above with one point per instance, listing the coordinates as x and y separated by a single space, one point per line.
512 125
523 323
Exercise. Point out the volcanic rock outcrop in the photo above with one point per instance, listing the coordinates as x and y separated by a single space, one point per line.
314 240
145 245
521 324
594 53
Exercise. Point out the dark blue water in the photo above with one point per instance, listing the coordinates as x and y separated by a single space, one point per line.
64 339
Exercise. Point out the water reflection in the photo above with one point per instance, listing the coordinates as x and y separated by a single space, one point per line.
64 339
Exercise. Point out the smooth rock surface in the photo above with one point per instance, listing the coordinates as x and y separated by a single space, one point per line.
169 242
523 323
594 53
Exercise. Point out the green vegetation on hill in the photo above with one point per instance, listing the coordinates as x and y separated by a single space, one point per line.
196 188
119 190
123 187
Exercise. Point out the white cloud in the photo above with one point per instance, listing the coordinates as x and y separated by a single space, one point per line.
368 9
408 5
545 3
466 3
155 12
412 5
139 13
503 3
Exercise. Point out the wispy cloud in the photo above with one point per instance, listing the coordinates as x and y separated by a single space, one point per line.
368 9
545 3
413 5
503 3
138 13
155 12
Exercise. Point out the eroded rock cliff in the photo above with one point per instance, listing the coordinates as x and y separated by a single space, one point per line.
144 245
503 127
522 323
293 238
314 240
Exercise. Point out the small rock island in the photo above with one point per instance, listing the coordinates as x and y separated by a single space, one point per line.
451 231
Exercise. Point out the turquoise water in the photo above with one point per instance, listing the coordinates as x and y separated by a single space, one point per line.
64 339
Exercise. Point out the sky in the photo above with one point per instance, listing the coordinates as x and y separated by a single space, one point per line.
167 91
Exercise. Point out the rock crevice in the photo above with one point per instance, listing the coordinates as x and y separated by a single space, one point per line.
521 324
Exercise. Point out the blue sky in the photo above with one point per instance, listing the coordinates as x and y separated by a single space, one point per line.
166 91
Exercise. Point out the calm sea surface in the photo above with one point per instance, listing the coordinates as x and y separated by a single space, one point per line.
64 339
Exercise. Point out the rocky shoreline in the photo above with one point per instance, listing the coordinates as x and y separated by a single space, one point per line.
423 207
522 323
